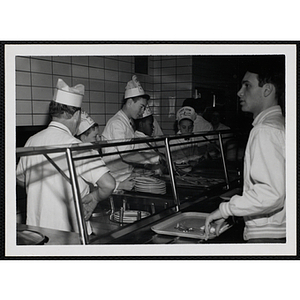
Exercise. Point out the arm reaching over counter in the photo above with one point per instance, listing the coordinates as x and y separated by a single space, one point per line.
105 186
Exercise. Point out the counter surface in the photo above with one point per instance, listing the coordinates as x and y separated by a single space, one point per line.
143 234
55 237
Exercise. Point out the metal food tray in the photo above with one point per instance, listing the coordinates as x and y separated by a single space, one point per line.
174 226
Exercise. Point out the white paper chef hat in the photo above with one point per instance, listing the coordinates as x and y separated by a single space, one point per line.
147 113
68 95
85 123
134 89
186 112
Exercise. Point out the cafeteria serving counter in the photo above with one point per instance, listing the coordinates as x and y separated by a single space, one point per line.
199 190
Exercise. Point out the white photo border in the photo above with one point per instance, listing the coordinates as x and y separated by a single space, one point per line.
110 49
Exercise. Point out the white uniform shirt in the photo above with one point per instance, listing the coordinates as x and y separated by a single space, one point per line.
140 135
157 129
50 201
118 127
151 151
263 201
200 124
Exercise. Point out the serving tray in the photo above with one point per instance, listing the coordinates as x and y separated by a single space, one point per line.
188 225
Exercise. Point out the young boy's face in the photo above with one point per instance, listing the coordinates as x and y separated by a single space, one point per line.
186 126
92 137
147 126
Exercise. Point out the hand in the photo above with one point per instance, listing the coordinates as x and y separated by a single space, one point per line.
214 216
127 184
89 203
158 169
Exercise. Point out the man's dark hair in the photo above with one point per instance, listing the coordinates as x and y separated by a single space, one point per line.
59 110
138 122
135 99
198 105
270 69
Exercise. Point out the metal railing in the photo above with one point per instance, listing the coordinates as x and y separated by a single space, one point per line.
69 149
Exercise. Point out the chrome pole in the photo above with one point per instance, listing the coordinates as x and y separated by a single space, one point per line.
172 177
77 198
224 161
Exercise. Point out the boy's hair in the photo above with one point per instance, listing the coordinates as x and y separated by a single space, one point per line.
270 69
198 105
59 110
137 122
135 99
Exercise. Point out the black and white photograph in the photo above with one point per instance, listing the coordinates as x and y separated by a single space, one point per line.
150 149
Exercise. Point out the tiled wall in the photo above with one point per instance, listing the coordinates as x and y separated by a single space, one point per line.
105 78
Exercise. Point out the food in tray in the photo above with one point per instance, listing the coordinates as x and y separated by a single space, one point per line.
184 228
188 225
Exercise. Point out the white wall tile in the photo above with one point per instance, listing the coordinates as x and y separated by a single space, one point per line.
62 69
40 107
22 63
41 119
41 80
23 78
23 107
80 60
105 79
24 120
41 66
42 93
23 92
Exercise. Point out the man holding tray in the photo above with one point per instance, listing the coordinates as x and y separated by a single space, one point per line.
262 204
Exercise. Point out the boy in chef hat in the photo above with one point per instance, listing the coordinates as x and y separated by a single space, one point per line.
88 130
184 152
144 124
134 89
50 202
144 129
185 119
121 127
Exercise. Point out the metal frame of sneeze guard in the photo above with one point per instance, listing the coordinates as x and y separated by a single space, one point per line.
67 149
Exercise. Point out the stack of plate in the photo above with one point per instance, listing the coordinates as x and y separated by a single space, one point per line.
150 185
129 216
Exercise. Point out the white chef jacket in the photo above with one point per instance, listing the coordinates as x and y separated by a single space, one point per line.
157 129
263 201
200 124
50 200
118 127
139 134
